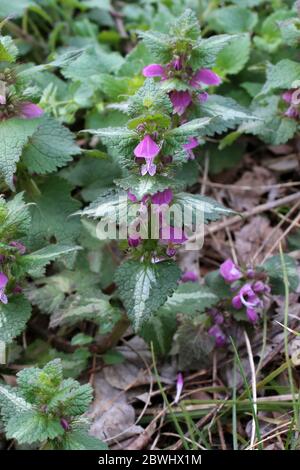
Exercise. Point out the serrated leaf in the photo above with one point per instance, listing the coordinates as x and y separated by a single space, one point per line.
232 19
50 147
120 138
281 75
205 207
35 262
16 219
31 426
233 58
14 134
186 26
190 298
111 206
79 439
150 98
142 185
143 288
8 50
159 331
11 402
51 218
273 266
194 346
13 317
159 44
205 51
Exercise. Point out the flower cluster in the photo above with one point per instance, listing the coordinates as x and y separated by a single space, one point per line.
178 68
292 98
20 249
248 290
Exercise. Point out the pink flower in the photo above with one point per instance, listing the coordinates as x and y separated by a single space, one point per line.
218 334
177 63
172 236
153 70
162 197
30 111
180 101
147 149
19 246
252 314
179 386
3 282
229 271
131 197
189 276
206 77
2 99
202 97
292 97
192 143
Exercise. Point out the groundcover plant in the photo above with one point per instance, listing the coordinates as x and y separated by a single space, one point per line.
149 224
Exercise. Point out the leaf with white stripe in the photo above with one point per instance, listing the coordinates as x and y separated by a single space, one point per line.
144 288
190 298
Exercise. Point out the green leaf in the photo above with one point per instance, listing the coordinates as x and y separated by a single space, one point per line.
270 36
72 397
13 317
281 75
91 63
142 185
79 439
31 426
232 19
205 51
217 285
8 50
159 44
11 402
111 205
143 288
194 346
190 298
186 26
273 266
50 147
210 209
51 215
14 7
122 139
35 262
290 31
14 134
15 220
233 58
150 98
159 331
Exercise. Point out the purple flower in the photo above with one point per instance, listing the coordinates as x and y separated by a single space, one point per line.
133 242
162 197
147 149
189 276
172 236
3 282
252 314
218 334
192 143
64 424
131 197
2 99
179 386
216 315
229 271
206 77
154 70
292 97
177 63
180 101
30 111
19 246
258 287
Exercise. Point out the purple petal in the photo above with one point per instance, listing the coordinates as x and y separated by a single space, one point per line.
179 386
252 315
292 112
206 76
192 143
258 287
189 276
229 271
19 246
162 197
218 334
153 70
236 302
180 101
203 97
131 197
3 281
134 242
147 148
177 64
287 96
171 251
3 298
30 111
2 99
173 234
